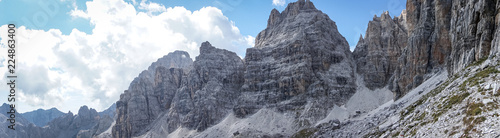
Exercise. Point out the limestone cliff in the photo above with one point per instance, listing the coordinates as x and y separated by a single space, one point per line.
377 54
299 59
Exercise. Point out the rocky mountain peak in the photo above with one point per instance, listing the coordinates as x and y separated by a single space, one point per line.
41 117
296 7
86 111
293 9
377 54
299 20
206 48
176 59
274 18
300 57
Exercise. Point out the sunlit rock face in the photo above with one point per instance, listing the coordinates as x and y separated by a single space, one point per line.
150 94
377 54
209 91
473 32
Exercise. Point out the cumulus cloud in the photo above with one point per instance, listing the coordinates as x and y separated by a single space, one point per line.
279 2
78 14
250 40
152 7
68 71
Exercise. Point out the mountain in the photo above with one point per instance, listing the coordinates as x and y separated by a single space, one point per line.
300 64
150 94
445 81
377 54
432 71
300 67
23 127
111 111
87 123
301 80
41 117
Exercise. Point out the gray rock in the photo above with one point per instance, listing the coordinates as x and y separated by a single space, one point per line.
472 32
377 54
429 45
150 93
111 111
82 125
299 58
209 92
41 117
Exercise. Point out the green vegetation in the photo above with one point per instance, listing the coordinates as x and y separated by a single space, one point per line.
424 98
474 109
496 115
479 62
448 104
421 117
413 132
374 134
455 99
305 133
411 108
491 106
477 78
396 134
471 122
436 116
454 130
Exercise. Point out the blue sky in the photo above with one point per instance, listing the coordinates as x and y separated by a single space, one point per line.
250 16
74 52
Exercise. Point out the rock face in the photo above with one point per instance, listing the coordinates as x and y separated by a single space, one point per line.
69 125
495 44
473 26
300 57
209 91
193 96
111 111
429 43
441 34
150 93
24 128
41 117
377 54
301 65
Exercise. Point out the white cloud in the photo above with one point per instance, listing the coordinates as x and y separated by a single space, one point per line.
250 40
279 2
79 14
94 69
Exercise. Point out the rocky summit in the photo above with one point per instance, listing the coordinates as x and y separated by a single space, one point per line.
377 54
299 58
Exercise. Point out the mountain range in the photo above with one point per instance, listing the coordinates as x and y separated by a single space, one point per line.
432 71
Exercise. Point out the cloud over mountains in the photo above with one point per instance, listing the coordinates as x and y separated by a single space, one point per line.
67 71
